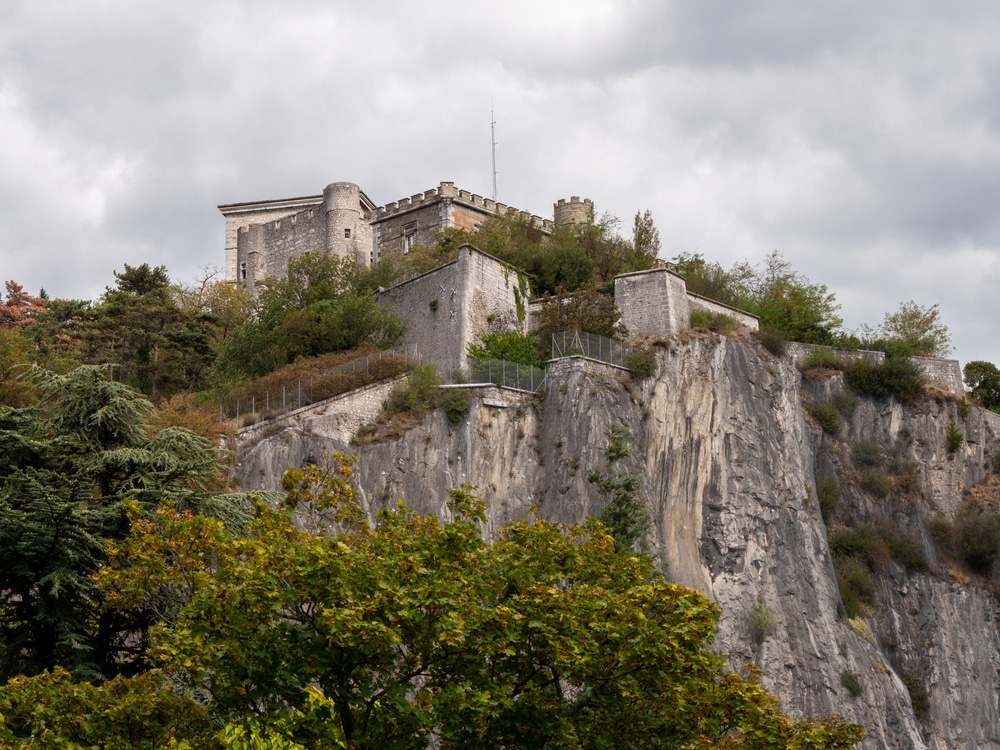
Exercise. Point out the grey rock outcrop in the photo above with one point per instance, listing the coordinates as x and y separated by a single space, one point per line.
729 461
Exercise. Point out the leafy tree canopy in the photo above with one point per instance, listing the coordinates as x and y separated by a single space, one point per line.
787 303
67 465
983 381
387 635
322 305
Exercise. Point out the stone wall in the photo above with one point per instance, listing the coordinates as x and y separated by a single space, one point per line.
245 214
266 248
339 417
449 307
945 373
743 318
800 352
653 303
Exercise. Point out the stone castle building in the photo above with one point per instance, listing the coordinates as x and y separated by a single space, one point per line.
261 236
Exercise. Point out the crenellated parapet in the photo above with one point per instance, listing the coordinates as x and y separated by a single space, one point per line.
446 191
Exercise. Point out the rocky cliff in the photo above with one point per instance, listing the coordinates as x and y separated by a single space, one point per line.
730 460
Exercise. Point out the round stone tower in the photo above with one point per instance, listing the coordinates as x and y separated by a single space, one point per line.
573 211
345 225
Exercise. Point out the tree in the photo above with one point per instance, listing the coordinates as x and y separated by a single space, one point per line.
918 328
321 306
983 382
385 635
585 310
512 346
645 242
19 308
67 466
787 303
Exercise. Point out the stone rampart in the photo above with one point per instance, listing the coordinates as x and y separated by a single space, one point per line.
799 353
449 307
945 373
743 318
340 416
653 303
280 240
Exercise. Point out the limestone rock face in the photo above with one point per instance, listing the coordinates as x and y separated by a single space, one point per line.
729 461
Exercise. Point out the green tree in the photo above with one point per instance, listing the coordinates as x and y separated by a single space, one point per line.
920 328
584 310
321 306
385 635
983 381
512 346
787 303
67 465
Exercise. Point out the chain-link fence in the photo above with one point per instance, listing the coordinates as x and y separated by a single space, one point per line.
506 374
272 399
581 343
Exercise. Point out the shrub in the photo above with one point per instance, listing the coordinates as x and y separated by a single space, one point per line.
716 322
416 395
822 356
972 537
856 586
642 363
875 482
977 538
773 342
867 453
906 550
827 416
897 376
455 403
760 622
861 543
828 493
851 682
954 438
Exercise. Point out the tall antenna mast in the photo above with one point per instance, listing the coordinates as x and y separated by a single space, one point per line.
493 140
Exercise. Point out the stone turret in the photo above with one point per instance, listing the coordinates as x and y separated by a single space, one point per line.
347 230
574 211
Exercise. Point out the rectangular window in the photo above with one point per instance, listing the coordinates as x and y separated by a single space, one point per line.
243 271
347 234
409 237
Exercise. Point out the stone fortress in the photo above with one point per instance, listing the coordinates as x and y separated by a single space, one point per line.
449 307
261 236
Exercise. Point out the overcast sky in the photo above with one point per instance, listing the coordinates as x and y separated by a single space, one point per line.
859 139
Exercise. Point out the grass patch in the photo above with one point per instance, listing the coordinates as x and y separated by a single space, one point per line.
972 537
875 482
410 401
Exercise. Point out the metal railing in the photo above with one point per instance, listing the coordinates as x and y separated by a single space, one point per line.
581 343
507 374
296 393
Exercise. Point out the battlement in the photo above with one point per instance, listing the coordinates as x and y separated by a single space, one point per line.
447 190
